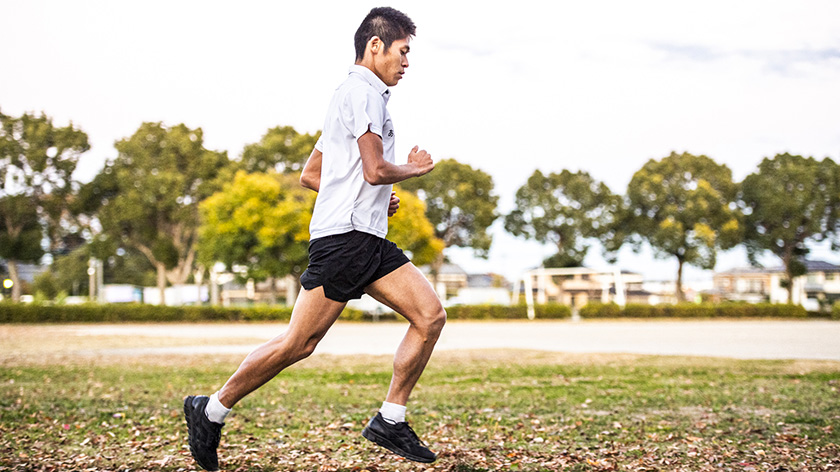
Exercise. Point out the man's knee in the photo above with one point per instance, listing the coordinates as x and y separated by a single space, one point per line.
302 354
298 348
308 347
433 319
439 319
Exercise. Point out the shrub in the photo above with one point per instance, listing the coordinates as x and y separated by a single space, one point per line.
600 310
87 313
115 313
486 312
550 311
693 310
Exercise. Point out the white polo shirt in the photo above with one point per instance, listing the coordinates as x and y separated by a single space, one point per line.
345 201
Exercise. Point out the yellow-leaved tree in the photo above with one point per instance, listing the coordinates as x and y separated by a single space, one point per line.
259 221
412 231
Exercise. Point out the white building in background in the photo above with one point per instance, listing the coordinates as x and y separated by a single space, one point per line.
665 291
451 278
456 287
577 286
820 286
482 289
176 295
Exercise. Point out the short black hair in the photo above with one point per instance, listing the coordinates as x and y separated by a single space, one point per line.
387 23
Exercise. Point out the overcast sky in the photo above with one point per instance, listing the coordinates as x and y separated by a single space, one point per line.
601 86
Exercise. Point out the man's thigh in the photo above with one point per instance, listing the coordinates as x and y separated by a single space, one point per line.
407 291
313 314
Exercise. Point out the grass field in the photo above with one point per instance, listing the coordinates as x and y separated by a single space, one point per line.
480 410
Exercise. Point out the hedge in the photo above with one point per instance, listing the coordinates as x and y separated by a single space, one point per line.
691 310
112 313
549 311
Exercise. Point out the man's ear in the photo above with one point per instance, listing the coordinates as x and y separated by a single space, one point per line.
375 44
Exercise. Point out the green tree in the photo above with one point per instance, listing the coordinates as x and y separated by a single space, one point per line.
787 202
460 204
259 221
281 149
20 236
37 161
683 206
147 197
68 273
566 210
412 231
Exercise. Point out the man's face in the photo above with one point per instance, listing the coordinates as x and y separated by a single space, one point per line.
390 64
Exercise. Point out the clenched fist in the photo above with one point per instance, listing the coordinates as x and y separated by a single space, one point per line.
421 161
394 204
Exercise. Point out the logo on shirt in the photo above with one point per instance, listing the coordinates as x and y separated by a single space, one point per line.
390 133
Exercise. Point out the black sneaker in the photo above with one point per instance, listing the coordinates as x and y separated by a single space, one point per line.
398 438
204 434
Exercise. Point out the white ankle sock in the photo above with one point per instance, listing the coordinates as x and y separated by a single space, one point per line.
215 411
392 412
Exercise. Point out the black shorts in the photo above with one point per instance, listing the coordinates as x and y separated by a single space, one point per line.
344 264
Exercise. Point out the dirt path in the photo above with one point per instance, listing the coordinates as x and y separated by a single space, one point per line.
753 339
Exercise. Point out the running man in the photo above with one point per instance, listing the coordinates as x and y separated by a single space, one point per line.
352 168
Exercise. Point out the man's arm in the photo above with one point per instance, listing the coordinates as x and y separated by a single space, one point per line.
378 171
310 177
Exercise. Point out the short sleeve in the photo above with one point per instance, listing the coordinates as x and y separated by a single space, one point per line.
319 146
366 110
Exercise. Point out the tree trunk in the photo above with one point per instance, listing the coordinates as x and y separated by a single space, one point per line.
13 274
680 294
272 290
161 282
92 280
181 272
789 276
161 271
435 269
788 260
199 282
292 289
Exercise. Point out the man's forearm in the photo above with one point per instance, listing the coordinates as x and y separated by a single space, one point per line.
310 176
377 171
386 173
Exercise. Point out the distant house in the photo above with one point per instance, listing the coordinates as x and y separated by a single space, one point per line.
577 286
665 291
820 286
451 278
235 293
26 272
481 289
456 287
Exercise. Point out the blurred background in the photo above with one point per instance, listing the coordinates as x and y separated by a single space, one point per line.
649 152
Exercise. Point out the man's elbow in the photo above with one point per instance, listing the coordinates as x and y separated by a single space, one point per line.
373 180
306 182
374 176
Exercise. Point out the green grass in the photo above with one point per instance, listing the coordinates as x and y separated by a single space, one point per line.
480 411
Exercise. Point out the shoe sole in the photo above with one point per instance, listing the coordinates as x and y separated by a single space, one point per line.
380 441
187 411
187 408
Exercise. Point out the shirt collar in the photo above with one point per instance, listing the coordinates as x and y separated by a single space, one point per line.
373 80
